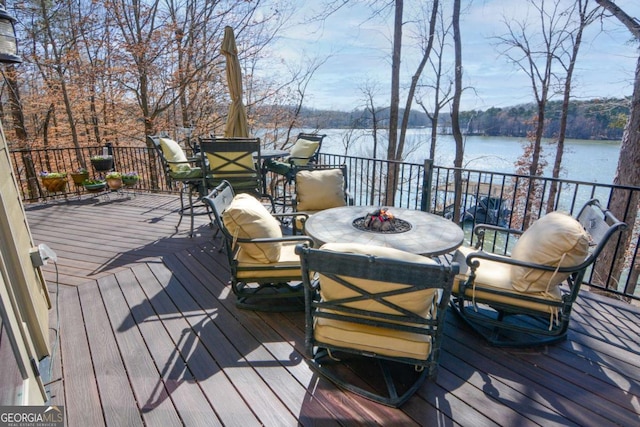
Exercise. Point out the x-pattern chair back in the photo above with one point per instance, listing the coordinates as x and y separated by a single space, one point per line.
233 156
233 160
348 304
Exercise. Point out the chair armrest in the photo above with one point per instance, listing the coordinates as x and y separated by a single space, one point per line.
190 161
290 214
301 239
480 231
473 258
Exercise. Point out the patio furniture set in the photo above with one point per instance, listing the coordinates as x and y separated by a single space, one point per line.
375 283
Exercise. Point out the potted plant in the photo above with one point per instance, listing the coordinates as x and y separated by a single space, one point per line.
94 185
54 181
102 163
130 179
79 175
114 180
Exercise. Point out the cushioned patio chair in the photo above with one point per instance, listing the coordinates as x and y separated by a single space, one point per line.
518 300
185 173
319 187
233 160
367 305
265 271
304 151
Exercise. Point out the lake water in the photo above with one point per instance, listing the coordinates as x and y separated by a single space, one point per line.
583 160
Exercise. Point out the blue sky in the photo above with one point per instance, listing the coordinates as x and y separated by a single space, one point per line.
357 49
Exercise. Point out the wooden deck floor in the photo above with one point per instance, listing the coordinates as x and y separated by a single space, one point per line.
149 335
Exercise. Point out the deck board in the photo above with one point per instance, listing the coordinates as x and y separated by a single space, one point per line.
80 387
150 335
118 403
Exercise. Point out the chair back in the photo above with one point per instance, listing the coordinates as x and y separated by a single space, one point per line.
319 187
233 160
377 303
306 158
154 140
178 167
379 291
601 226
219 200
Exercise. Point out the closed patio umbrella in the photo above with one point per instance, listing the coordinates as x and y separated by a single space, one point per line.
237 117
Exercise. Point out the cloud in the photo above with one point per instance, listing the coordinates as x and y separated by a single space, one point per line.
359 49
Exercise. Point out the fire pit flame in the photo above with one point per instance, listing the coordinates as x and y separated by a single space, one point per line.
381 221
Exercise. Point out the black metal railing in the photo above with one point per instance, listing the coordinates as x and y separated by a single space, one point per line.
485 196
495 198
28 164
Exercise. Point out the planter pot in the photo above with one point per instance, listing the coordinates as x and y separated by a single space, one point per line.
114 183
54 185
130 182
103 165
95 188
79 177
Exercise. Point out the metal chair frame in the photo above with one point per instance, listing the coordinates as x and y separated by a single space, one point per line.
280 292
233 160
193 187
504 324
348 269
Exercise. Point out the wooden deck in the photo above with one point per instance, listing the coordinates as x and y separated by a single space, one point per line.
149 335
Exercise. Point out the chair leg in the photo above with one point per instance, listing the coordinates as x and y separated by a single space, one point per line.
181 212
191 211
326 364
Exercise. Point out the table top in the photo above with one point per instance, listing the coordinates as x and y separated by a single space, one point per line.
272 153
430 234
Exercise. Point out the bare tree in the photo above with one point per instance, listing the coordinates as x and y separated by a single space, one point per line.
441 85
369 90
567 60
535 53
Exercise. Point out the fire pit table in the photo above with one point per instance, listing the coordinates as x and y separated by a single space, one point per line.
411 230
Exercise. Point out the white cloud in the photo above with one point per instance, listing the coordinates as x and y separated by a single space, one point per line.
360 49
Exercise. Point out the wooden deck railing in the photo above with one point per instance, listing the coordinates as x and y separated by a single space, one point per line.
420 186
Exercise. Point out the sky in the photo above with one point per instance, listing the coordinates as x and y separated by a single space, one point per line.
356 51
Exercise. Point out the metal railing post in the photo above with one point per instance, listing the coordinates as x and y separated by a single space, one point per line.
427 181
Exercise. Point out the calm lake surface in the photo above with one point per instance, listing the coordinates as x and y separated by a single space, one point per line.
583 160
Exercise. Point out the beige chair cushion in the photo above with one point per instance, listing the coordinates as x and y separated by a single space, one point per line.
319 189
246 217
288 265
174 154
304 149
371 338
557 240
388 342
493 275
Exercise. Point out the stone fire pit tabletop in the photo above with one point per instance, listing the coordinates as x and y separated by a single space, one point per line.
429 235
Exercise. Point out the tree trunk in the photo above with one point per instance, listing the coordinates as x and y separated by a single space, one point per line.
455 110
395 105
622 205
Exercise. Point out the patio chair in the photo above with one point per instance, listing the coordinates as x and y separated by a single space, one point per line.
184 172
233 160
304 151
518 300
368 305
319 187
265 271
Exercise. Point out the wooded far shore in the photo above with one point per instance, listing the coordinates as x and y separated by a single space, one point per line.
601 119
